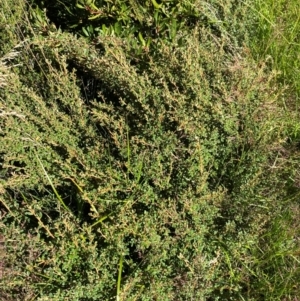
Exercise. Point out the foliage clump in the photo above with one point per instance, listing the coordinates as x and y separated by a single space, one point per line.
142 179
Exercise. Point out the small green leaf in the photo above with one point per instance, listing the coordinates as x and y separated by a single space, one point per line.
148 42
142 39
94 17
104 29
91 29
93 6
85 32
79 6
74 26
156 5
39 17
156 16
118 28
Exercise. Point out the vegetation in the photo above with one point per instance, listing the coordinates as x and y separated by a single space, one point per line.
149 151
277 40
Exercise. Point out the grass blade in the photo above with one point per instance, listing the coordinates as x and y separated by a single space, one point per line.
52 186
119 277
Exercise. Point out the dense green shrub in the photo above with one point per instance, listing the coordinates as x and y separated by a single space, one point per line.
11 20
144 24
145 181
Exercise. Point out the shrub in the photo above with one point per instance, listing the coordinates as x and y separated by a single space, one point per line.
143 24
145 181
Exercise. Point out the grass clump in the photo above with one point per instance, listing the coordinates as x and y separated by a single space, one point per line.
146 177
276 37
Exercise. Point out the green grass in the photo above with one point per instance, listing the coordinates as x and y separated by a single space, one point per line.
276 39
